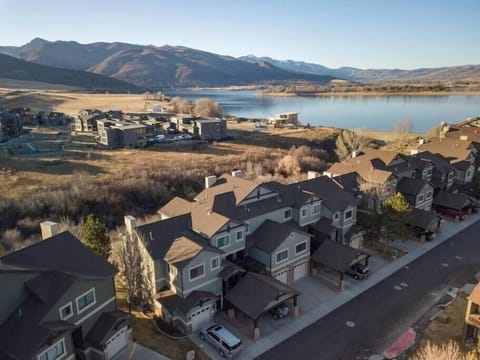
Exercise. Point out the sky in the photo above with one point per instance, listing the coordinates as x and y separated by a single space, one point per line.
403 34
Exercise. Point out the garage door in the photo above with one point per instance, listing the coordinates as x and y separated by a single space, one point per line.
116 343
282 276
299 271
200 317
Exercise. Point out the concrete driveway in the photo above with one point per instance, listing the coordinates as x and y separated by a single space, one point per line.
138 352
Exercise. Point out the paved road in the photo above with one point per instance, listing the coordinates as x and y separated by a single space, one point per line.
383 312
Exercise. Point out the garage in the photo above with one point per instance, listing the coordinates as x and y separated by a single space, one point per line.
300 270
200 317
116 343
282 276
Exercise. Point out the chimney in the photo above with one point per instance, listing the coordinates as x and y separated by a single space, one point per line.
312 174
49 229
354 154
464 137
421 141
413 151
237 173
210 181
130 223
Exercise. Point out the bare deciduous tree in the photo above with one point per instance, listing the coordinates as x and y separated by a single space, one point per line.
402 128
207 108
181 106
349 141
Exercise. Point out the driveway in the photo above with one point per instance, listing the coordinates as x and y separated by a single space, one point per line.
138 352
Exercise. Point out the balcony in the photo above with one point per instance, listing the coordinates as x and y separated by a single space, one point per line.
474 319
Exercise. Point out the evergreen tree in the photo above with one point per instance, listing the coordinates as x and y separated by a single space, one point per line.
95 236
396 212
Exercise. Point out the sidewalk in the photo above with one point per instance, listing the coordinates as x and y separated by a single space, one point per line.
331 300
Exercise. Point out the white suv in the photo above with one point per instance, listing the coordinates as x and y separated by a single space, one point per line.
223 340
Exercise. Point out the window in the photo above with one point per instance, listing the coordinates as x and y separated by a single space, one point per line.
66 311
56 351
282 256
420 198
223 241
85 300
450 176
428 195
239 235
287 214
316 209
215 263
412 174
348 214
336 216
301 247
468 173
424 172
197 272
429 172
304 212
247 228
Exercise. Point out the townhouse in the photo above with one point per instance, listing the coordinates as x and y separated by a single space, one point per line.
60 302
200 250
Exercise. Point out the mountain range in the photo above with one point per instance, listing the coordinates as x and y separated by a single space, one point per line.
148 66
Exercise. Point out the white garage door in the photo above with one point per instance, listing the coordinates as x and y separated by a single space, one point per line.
299 271
200 317
282 276
117 342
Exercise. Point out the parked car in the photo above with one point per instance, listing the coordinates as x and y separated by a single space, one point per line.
159 137
223 340
452 213
358 271
279 311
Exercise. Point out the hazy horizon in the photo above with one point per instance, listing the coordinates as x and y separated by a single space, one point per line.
367 34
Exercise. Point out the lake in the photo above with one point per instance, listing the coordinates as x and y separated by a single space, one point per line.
370 112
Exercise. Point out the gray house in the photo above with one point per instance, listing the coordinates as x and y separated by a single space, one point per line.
60 303
281 250
418 193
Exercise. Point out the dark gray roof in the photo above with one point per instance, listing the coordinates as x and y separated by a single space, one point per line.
440 162
173 303
349 182
411 186
24 332
462 165
334 197
230 269
335 255
61 252
324 226
423 219
270 235
450 200
255 293
106 325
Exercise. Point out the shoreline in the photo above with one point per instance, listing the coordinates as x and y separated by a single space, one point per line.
373 93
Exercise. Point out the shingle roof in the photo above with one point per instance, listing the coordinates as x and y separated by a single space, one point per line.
175 303
230 269
462 165
336 256
61 252
176 206
267 292
24 331
439 162
225 183
105 326
411 186
270 235
454 150
423 219
450 200
324 226
182 251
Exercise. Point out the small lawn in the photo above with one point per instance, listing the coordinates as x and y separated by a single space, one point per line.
144 332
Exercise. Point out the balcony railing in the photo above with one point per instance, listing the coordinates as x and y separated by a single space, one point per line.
474 319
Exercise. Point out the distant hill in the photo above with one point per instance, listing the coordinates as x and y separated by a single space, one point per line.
15 69
465 72
151 66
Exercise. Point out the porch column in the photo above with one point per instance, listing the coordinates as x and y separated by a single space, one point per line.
296 308
231 314
256 330
341 284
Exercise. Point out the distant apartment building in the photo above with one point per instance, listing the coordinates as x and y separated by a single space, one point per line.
10 125
203 128
118 133
283 119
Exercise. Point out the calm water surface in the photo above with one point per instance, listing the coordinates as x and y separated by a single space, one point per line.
371 112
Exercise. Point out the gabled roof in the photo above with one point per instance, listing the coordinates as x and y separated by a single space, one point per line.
62 252
225 183
454 150
440 163
452 201
324 226
255 293
182 251
270 235
386 156
423 219
334 197
463 165
368 169
336 256
24 331
176 206
412 186
106 325
349 182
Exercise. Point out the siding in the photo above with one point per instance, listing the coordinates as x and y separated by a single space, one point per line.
69 348
234 245
276 216
14 282
290 244
209 282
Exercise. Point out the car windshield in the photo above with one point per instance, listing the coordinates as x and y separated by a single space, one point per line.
233 347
